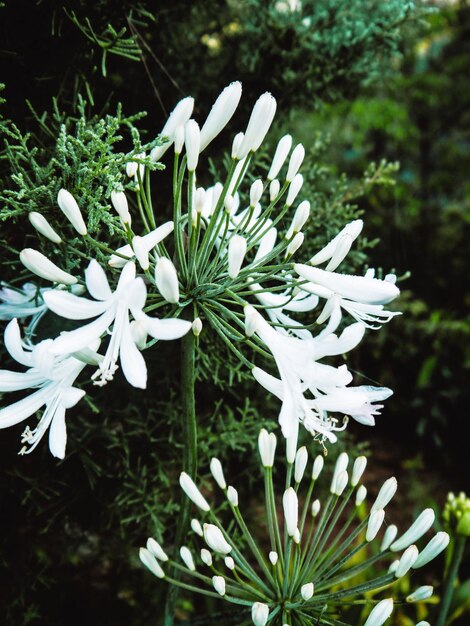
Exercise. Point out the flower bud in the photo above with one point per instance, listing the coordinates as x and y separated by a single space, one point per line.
196 326
40 265
179 139
274 188
40 223
301 459
236 254
236 145
215 539
221 113
251 320
420 526
380 613
316 508
141 252
69 207
375 522
341 465
155 548
393 566
219 584
423 623
273 557
187 558
295 244
433 548
294 188
358 469
196 527
317 466
151 563
119 202
199 199
295 162
389 537
291 510
193 493
282 150
301 215
267 447
131 168
361 494
232 496
296 536
256 191
218 473
178 117
408 559
259 614
229 562
340 484
306 591
206 557
192 141
422 593
260 120
166 278
291 446
386 493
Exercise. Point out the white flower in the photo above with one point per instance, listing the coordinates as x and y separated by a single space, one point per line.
282 150
375 522
291 510
52 377
259 613
69 207
420 526
193 493
380 613
337 249
422 593
166 278
42 226
236 254
218 473
408 559
119 202
151 562
295 162
267 447
301 459
187 558
215 539
219 584
149 241
111 309
155 548
260 120
386 493
22 302
306 591
389 537
359 467
435 546
196 527
40 265
221 113
192 140
178 117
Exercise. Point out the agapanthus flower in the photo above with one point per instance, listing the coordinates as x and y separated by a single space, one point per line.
307 569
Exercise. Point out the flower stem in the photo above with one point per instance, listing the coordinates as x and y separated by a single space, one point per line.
450 582
189 428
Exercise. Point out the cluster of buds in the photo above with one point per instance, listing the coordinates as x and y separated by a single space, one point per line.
305 571
456 514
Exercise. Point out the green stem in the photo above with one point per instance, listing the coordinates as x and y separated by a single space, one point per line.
189 428
459 548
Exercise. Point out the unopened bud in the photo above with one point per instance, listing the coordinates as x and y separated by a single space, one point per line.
295 244
408 559
295 161
40 265
282 150
380 613
166 279
358 470
193 493
422 593
232 496
192 141
420 526
433 548
236 254
306 591
316 508
219 584
317 466
274 188
218 473
215 539
220 114
119 202
386 493
187 558
42 226
151 563
291 510
267 447
196 326
259 614
389 537
258 125
155 548
361 494
301 459
69 207
375 522
141 252
294 188
273 557
196 527
206 557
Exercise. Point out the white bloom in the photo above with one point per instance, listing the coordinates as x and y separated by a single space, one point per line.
111 309
317 466
375 522
259 613
389 537
21 302
52 377
306 591
420 526
294 188
386 493
267 447
187 558
221 113
232 496
42 226
301 459
166 278
433 548
218 473
282 150
151 562
291 510
69 207
119 202
150 240
295 162
196 527
155 548
219 584
380 613
193 493
40 265
422 593
361 494
261 119
236 254
215 539
273 557
358 470
178 117
192 141
206 557
408 559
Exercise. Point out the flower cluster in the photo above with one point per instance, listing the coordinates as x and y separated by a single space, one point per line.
224 259
305 571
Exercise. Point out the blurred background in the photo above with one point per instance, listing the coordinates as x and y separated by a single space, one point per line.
378 93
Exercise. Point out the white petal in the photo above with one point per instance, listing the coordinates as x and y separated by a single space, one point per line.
71 396
14 381
270 383
75 340
13 344
333 345
73 307
19 411
132 362
58 433
167 329
96 281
